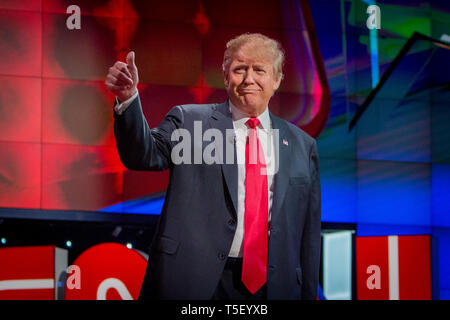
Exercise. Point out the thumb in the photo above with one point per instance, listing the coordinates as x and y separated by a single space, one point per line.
130 60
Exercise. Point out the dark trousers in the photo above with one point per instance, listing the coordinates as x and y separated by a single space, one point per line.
230 286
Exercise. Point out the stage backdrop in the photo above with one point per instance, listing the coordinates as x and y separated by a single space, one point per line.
57 148
389 174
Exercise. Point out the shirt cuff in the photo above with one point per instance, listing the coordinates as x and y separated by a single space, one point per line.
120 108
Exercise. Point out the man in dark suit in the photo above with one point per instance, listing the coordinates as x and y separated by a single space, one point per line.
242 222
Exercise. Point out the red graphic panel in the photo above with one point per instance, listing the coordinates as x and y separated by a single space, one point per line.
296 108
20 175
414 262
157 100
138 184
98 37
372 251
404 263
20 43
20 109
29 5
251 14
169 10
53 92
108 271
80 178
109 8
76 112
167 53
220 95
30 272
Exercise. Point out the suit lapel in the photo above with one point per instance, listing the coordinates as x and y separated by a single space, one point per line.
281 178
221 119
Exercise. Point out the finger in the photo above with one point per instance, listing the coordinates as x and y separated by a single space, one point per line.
114 88
123 67
120 75
117 82
130 60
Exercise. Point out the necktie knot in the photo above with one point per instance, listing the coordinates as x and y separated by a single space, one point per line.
253 122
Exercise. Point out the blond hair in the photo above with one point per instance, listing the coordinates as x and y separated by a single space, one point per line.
271 46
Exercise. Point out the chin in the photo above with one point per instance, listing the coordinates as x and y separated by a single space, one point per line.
253 103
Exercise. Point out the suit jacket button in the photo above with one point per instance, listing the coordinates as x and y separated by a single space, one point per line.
231 222
221 256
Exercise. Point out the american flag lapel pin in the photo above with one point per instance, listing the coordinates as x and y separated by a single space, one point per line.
285 142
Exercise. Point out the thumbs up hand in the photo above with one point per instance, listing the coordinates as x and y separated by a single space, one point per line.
122 78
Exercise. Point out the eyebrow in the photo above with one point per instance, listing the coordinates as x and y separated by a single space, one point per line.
261 66
242 64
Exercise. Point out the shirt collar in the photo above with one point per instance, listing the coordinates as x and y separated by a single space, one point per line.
240 118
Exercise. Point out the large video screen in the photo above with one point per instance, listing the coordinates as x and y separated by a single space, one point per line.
57 146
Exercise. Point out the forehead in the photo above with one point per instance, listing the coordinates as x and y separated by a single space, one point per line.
253 53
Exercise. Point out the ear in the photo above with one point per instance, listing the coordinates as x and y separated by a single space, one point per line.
277 83
226 79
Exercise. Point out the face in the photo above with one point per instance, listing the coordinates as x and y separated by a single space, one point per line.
251 82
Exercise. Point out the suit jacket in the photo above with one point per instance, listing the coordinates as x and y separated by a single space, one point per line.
198 219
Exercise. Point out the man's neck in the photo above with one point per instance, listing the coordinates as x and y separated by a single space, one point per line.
242 112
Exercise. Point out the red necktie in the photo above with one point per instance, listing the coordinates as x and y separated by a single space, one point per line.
254 268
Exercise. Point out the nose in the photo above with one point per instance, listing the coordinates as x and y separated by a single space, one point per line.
249 77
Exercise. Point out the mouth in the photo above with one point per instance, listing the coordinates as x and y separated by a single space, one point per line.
247 91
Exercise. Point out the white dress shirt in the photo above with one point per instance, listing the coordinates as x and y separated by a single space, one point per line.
267 140
121 107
